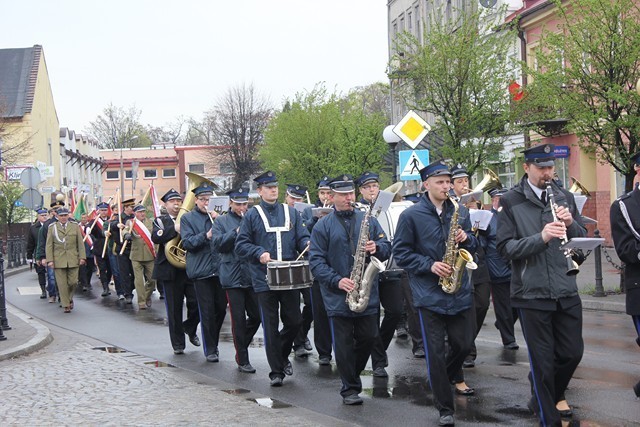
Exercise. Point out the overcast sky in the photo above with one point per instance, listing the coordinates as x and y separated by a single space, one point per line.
175 58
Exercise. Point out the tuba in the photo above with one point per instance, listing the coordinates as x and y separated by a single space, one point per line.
173 250
454 257
578 188
490 180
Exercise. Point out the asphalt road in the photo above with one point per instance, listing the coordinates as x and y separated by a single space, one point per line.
600 392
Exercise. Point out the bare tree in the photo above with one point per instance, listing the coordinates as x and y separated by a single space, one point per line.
171 133
119 128
201 132
239 119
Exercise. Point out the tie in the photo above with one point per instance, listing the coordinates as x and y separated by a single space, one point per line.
543 197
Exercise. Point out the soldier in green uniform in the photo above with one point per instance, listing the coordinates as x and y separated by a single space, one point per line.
142 254
65 253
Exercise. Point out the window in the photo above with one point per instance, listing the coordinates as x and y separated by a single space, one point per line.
150 173
562 170
410 22
128 174
196 167
168 173
226 167
113 174
507 173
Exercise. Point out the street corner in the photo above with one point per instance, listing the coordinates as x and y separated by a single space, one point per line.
25 336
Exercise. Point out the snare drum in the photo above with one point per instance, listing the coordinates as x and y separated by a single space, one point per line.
284 275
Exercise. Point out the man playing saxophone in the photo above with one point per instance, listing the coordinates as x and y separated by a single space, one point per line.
336 241
546 297
420 243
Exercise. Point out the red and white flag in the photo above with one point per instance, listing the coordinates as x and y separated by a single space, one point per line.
86 237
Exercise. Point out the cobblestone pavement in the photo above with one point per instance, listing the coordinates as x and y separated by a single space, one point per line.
86 385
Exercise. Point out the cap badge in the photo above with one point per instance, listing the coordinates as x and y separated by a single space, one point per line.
547 149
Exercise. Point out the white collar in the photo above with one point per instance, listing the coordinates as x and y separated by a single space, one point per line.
535 189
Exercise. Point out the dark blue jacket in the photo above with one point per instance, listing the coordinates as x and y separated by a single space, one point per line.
499 268
253 240
420 240
331 259
202 259
234 273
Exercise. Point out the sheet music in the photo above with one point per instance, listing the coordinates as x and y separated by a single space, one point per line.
301 206
219 204
584 243
383 201
480 219
471 197
580 201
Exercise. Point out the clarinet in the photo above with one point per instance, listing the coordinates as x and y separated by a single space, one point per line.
572 266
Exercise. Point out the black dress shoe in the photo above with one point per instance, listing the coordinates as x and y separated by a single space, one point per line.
566 413
307 345
636 389
401 332
380 372
247 368
352 399
512 346
105 292
324 361
213 358
276 382
178 351
468 363
446 420
419 353
193 339
288 369
465 392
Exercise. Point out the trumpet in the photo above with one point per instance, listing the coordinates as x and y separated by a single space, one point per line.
572 266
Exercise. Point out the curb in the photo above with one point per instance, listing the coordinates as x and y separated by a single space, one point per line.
42 338
613 306
8 272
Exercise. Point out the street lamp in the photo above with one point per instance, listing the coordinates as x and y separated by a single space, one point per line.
392 139
133 138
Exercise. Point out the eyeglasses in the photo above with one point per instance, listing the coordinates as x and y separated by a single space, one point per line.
203 199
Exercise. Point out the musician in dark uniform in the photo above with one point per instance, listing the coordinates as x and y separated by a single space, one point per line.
335 242
202 267
98 227
625 231
545 296
175 284
390 289
32 243
235 278
423 241
500 273
301 344
125 267
273 231
480 279
321 329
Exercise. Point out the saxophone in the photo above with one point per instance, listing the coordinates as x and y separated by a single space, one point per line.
454 257
358 298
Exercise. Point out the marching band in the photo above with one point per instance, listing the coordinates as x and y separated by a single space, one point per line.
263 261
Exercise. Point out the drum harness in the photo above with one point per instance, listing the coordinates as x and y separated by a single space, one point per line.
277 230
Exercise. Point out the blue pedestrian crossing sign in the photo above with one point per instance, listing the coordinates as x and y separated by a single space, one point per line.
411 161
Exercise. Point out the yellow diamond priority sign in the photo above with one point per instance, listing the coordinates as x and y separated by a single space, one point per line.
412 129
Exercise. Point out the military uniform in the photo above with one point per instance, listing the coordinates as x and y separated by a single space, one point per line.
65 250
142 258
98 226
32 243
125 268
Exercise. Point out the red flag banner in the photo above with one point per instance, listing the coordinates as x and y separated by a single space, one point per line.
516 91
144 233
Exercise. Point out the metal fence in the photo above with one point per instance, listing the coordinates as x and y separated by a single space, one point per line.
15 251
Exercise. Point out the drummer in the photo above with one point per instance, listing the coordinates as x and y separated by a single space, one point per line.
270 232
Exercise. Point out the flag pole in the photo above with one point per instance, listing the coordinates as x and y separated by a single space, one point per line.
94 223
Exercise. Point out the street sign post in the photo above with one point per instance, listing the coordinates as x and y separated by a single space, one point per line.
411 161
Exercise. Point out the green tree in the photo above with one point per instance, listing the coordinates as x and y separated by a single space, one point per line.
10 192
119 128
458 74
586 71
319 133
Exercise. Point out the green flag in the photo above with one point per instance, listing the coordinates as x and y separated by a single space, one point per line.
81 208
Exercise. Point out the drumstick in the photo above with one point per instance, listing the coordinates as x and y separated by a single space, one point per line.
303 252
